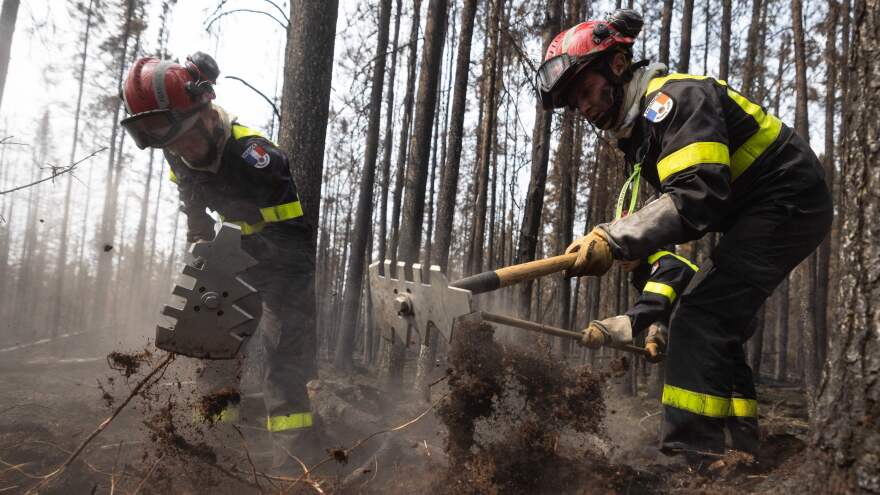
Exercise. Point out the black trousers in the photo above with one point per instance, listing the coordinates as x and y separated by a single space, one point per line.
284 276
709 386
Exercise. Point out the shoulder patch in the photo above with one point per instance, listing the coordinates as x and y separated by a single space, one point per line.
256 156
659 107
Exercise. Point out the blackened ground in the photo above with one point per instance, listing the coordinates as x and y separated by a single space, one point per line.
546 434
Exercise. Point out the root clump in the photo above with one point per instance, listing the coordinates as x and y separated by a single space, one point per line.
520 421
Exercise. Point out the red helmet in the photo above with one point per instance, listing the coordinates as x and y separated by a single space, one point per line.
163 98
577 47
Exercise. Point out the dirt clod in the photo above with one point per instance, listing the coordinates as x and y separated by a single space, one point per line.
128 364
211 407
522 422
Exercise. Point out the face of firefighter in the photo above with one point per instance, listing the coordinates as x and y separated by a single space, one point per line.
197 145
592 95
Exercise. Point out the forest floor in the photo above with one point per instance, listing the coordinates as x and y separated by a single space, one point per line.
49 405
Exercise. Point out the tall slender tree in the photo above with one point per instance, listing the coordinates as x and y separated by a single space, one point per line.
388 141
684 51
61 259
8 15
487 133
363 217
534 204
417 166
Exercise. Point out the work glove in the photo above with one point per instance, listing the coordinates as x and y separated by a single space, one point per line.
594 255
614 330
655 342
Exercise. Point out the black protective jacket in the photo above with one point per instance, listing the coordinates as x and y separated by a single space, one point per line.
710 152
252 188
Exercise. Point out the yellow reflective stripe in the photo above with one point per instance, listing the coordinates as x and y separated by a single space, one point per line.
659 254
743 408
248 228
280 213
658 82
662 289
702 404
239 131
769 128
229 415
290 422
691 155
172 175
270 214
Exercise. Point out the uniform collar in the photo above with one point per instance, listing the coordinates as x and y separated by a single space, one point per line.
632 97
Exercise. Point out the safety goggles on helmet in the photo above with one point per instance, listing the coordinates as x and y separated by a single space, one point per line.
555 74
159 128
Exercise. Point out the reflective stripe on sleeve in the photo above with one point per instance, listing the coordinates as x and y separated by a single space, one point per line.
270 214
172 176
769 128
664 290
659 254
692 155
702 404
293 421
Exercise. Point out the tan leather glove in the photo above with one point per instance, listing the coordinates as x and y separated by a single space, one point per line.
594 255
614 330
594 336
655 342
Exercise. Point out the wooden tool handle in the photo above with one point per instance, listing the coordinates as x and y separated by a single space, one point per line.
514 274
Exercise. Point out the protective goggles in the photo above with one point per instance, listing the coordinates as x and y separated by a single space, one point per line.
554 75
159 128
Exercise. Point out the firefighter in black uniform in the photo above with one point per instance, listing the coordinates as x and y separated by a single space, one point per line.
224 166
659 278
721 164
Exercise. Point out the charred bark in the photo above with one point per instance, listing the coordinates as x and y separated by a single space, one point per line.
351 301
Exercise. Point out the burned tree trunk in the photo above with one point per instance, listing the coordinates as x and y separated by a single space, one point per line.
748 73
308 69
684 52
8 14
846 443
824 253
487 133
665 31
534 205
61 260
420 141
405 127
388 141
446 200
351 301
724 56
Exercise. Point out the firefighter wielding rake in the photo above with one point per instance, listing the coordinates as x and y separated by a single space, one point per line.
406 300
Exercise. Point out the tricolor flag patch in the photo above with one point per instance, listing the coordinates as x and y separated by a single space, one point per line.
659 107
256 156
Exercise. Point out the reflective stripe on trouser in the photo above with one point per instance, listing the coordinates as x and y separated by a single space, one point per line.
284 277
712 323
295 421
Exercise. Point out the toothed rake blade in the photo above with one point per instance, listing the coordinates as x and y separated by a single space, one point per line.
215 310
398 303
